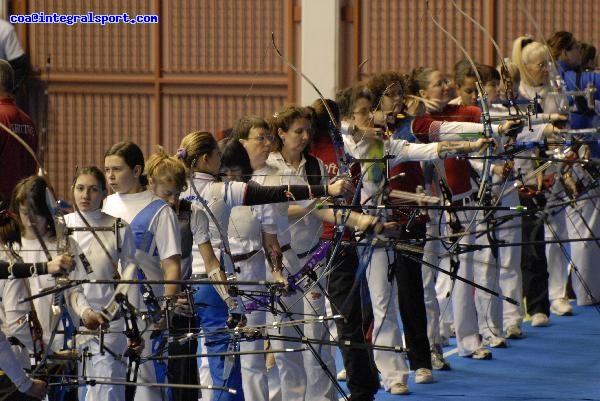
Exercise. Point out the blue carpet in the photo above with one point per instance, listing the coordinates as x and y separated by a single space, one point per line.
558 362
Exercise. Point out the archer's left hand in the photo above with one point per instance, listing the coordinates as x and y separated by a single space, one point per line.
92 320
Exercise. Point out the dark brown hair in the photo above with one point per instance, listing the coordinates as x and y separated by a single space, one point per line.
93 171
131 154
559 42
284 120
242 127
10 231
31 191
378 84
322 121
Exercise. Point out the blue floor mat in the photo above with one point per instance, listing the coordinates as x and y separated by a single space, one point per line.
558 362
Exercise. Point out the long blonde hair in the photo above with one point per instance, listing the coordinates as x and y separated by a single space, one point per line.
525 49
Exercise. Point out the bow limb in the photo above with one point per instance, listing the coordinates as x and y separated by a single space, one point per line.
487 129
508 88
334 132
24 144
41 170
55 319
504 73
49 190
59 225
310 82
538 30
557 83
336 138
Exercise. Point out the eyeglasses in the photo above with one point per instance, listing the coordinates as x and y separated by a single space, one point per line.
441 82
542 65
263 138
392 94
362 112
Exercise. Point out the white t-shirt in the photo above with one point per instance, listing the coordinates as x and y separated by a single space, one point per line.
162 228
221 197
10 48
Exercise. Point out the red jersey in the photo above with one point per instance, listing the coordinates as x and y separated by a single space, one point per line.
323 149
15 162
458 172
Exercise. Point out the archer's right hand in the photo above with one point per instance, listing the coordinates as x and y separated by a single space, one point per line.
38 389
62 264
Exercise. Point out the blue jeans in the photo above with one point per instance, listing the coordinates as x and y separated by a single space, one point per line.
212 316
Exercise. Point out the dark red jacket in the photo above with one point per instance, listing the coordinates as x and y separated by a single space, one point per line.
15 162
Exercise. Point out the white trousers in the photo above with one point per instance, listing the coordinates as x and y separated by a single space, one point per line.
501 274
204 371
254 371
585 223
319 384
106 366
290 383
463 298
443 282
386 326
147 374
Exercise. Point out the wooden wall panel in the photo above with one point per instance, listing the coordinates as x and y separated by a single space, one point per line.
400 35
184 113
349 57
91 48
83 124
546 17
222 36
211 61
207 63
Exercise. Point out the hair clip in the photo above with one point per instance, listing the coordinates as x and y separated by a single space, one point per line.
181 153
526 41
7 214
11 276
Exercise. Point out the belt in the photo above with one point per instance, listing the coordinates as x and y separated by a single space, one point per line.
528 191
465 201
199 276
244 256
285 248
15 341
314 248
420 219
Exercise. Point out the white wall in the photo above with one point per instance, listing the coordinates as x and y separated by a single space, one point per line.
320 39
